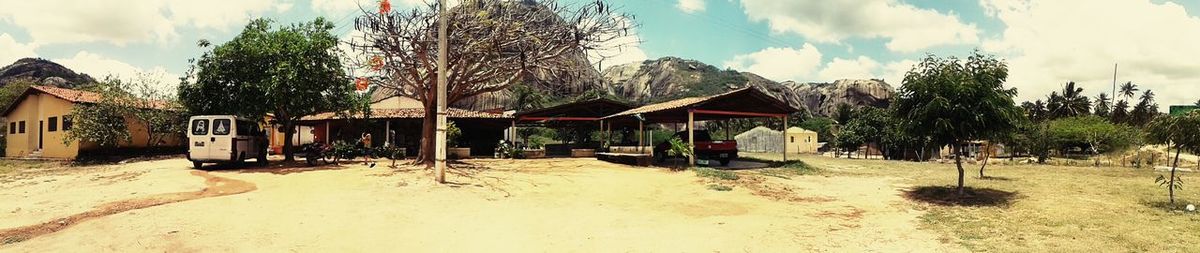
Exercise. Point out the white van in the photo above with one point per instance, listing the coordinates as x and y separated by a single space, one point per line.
224 139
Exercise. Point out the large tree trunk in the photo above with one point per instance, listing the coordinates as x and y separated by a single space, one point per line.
289 129
428 130
958 161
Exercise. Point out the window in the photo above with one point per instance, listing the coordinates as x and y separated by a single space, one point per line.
245 128
793 140
66 123
200 127
53 126
12 127
21 127
809 139
221 126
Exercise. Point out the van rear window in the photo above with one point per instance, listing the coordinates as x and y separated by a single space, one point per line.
200 127
221 126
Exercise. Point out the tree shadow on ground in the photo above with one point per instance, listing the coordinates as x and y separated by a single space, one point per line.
994 178
948 196
274 167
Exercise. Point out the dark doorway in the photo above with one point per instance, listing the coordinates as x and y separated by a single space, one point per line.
41 133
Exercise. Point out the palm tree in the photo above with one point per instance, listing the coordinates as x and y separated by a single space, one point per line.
1120 112
1102 105
1071 103
1145 110
1128 90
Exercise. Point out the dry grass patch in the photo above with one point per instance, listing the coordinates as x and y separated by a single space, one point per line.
1058 209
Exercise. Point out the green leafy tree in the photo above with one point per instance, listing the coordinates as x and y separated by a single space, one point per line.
1091 134
952 100
138 101
1179 132
288 71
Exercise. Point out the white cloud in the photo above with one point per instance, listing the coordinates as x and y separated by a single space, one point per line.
691 6
893 72
621 50
100 67
1048 43
11 50
907 27
780 64
121 22
838 68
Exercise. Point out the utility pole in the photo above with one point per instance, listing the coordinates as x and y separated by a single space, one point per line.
1114 86
439 162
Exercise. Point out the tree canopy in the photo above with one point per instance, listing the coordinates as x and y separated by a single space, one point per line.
288 71
951 100
1179 132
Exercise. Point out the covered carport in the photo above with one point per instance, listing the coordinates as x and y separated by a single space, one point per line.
746 102
581 115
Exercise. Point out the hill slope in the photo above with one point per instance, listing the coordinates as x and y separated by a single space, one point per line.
43 72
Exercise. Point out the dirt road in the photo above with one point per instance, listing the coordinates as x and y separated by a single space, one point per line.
555 205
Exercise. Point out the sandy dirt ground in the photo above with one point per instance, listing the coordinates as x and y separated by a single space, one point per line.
555 205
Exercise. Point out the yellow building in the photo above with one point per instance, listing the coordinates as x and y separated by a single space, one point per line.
800 140
37 125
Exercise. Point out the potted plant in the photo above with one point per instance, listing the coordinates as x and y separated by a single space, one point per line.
452 141
535 149
680 149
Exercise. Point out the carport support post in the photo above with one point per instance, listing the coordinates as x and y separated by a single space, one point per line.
785 137
512 133
641 137
691 125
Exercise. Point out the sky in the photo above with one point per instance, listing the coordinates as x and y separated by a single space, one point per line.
1046 43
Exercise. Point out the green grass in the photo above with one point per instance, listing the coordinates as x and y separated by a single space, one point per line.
1052 208
715 174
721 188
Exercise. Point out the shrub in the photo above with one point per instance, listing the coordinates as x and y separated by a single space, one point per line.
717 187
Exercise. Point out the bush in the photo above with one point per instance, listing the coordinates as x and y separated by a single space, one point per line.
721 188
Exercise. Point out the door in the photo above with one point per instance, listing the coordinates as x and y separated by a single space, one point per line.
222 139
41 133
198 139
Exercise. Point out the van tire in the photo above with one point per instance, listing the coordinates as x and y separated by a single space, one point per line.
197 165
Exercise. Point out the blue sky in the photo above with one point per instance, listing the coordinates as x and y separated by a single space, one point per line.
1045 42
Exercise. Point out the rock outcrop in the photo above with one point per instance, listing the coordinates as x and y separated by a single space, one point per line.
670 77
824 98
43 72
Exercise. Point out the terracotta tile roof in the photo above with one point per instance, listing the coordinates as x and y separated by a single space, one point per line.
414 113
79 96
76 96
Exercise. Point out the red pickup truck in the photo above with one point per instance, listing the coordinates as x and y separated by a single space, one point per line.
706 148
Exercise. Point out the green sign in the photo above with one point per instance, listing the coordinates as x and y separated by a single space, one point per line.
1181 109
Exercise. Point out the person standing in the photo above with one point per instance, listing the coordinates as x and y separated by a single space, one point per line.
365 140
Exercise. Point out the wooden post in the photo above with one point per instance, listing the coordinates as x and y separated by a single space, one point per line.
512 133
785 137
691 125
641 137
442 81
387 133
328 132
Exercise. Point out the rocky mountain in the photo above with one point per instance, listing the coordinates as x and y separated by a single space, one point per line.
43 72
824 98
670 77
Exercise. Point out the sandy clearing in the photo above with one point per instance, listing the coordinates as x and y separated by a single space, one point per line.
569 205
